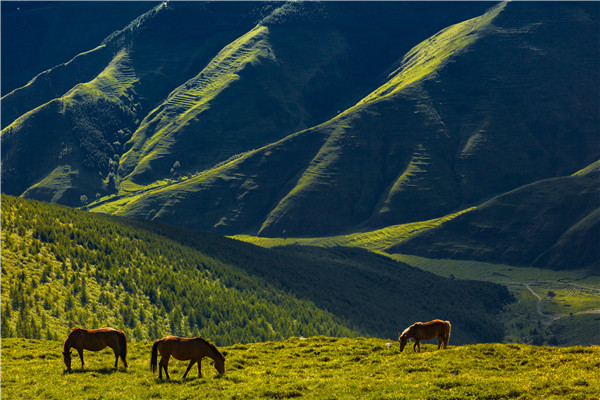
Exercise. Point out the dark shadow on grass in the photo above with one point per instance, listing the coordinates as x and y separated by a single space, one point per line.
102 371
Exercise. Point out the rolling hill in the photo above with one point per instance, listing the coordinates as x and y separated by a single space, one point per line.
552 223
194 66
320 119
63 267
414 149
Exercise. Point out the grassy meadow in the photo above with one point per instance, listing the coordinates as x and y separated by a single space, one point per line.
317 367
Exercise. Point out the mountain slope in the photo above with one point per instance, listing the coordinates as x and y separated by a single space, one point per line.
552 223
455 124
182 112
63 267
247 117
102 96
38 35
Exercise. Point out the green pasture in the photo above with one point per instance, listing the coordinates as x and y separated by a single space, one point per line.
313 368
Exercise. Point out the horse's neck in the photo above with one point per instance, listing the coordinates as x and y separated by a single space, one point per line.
71 340
68 343
414 329
209 351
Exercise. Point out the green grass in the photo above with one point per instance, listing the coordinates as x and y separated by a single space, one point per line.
376 240
428 56
313 368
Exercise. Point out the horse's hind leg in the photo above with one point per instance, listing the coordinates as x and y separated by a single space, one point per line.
440 341
188 368
163 364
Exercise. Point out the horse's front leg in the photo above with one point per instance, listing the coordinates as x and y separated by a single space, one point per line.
200 368
80 351
192 361
417 345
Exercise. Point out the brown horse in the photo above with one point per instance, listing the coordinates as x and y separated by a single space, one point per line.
427 330
95 340
193 349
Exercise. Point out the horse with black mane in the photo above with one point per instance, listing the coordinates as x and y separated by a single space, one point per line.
427 331
193 349
95 340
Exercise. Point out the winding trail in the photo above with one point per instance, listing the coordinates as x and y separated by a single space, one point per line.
545 318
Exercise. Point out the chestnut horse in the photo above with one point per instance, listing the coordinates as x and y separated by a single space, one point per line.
426 330
193 349
95 340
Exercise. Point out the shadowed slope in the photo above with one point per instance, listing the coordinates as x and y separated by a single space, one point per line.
83 131
454 124
553 223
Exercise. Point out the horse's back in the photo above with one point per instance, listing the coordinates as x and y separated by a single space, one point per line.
98 339
181 348
434 328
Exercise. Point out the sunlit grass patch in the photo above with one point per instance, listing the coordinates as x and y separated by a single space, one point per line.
316 368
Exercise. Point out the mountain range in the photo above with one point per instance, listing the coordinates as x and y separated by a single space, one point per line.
316 119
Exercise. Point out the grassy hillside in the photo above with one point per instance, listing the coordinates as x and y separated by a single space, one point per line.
62 267
547 301
313 368
446 129
31 31
94 102
192 84
551 224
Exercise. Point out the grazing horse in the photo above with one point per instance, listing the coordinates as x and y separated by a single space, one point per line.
95 340
426 330
193 349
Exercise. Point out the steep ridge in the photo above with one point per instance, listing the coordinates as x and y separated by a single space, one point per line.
326 57
415 151
38 35
83 131
553 223
293 70
464 116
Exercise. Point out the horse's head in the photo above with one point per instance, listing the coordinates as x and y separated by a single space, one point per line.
403 339
220 364
67 358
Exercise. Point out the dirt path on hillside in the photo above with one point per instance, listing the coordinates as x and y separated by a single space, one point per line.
546 319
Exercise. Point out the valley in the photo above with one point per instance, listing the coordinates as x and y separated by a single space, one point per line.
547 301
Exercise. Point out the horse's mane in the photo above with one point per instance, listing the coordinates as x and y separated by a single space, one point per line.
410 328
214 349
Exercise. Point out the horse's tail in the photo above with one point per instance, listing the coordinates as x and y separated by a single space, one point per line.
447 335
154 356
123 346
